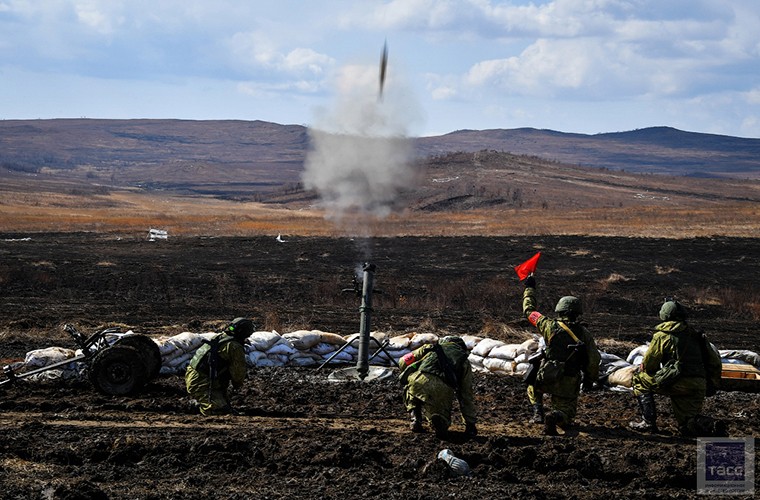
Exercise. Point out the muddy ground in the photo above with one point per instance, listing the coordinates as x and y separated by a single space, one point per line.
299 436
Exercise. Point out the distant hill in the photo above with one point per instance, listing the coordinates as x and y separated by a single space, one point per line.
460 171
660 150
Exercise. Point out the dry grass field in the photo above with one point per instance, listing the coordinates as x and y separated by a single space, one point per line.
131 214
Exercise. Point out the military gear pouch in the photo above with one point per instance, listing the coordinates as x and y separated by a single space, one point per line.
550 372
667 374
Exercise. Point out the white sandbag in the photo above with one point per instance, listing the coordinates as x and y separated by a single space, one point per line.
401 341
606 368
521 369
471 341
378 336
302 362
262 341
266 362
506 351
303 340
341 357
332 338
476 362
608 358
485 346
530 346
185 341
420 339
638 352
282 346
523 358
622 377
47 356
324 348
253 357
499 365
747 356
180 360
279 359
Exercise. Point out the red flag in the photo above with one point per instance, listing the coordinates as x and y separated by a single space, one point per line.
527 267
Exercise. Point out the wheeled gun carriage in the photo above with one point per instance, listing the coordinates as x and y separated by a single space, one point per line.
116 368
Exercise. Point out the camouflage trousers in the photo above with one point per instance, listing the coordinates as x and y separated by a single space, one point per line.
213 402
687 395
563 396
435 398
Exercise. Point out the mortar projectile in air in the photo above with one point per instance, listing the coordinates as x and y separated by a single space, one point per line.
383 66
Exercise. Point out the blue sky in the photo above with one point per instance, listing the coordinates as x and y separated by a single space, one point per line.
586 66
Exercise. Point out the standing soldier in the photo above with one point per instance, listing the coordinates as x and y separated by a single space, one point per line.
433 375
217 363
679 363
570 352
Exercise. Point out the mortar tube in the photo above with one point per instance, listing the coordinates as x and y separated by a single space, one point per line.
362 364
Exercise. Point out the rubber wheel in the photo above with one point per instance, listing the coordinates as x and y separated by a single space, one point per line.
149 352
118 370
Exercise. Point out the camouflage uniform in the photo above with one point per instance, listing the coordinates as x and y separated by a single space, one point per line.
426 389
700 366
231 368
564 392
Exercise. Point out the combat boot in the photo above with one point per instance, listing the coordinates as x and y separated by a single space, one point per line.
648 412
704 426
538 414
415 420
550 423
440 427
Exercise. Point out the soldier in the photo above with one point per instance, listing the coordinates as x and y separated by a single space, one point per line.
570 352
679 363
217 363
433 375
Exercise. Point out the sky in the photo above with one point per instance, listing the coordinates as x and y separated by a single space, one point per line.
582 66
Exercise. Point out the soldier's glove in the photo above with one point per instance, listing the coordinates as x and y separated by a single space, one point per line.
530 282
470 429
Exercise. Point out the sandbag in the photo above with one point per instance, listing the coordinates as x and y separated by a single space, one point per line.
47 356
622 377
471 341
476 362
324 348
530 346
420 339
499 365
262 341
506 351
332 338
637 354
282 346
485 346
401 341
303 340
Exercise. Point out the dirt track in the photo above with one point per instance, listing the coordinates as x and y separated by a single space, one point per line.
299 436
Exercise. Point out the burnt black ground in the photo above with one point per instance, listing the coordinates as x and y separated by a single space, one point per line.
300 436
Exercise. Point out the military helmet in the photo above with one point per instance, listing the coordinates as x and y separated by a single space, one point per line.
240 328
454 339
569 306
672 310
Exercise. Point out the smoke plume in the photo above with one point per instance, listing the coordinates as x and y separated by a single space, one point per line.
361 157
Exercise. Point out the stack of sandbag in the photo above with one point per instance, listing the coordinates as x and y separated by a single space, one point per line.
40 358
177 351
298 348
495 356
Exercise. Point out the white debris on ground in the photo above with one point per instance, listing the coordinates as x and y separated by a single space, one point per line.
315 347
